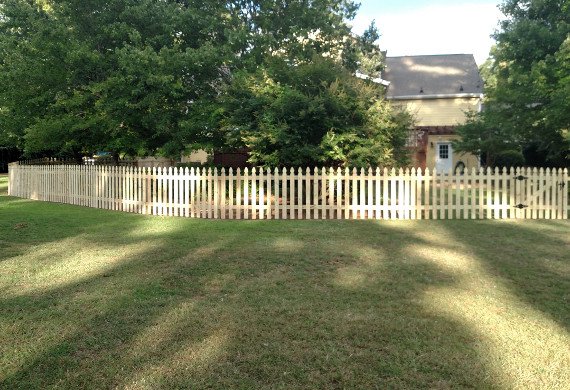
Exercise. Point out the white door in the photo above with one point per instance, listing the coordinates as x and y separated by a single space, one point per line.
444 157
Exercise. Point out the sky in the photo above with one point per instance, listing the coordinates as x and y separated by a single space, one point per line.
413 27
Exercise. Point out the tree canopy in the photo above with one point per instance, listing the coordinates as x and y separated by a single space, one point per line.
527 108
314 113
142 77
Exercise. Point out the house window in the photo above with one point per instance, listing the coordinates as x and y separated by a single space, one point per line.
414 139
444 151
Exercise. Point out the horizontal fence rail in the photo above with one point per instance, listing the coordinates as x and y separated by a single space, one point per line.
295 193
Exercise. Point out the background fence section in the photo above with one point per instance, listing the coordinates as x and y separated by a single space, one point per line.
295 193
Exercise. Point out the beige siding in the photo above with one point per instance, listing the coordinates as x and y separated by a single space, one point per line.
155 162
198 156
469 160
440 112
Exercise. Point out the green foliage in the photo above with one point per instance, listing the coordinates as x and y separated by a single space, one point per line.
528 82
142 76
117 75
509 158
315 113
481 136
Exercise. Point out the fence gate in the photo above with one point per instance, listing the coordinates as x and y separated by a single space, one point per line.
540 194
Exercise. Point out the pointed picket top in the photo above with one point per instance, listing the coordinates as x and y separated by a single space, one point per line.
541 171
346 171
307 171
377 171
426 172
284 171
534 171
415 172
473 171
354 171
231 171
369 171
393 171
338 171
565 171
238 171
400 171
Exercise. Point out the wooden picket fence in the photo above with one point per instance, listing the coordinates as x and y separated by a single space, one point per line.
318 193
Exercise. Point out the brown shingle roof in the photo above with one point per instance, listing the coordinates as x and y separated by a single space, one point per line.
429 75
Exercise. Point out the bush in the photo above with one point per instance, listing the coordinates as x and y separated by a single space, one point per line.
509 158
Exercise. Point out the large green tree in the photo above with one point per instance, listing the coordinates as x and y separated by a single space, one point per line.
527 105
313 113
120 75
142 76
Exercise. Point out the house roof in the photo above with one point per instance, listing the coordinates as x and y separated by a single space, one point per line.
432 76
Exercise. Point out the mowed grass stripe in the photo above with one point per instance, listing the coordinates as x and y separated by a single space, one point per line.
98 299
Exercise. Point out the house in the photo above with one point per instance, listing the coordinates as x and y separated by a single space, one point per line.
438 90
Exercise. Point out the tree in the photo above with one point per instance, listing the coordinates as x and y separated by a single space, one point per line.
141 76
315 113
116 75
527 103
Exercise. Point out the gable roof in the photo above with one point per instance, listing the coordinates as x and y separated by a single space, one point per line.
432 76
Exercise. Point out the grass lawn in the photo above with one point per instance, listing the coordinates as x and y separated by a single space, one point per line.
99 299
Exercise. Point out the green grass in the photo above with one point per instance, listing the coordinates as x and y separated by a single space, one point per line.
99 299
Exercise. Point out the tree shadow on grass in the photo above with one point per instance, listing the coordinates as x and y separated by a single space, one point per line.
244 304
531 258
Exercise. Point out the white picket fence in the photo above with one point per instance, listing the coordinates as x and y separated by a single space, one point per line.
318 193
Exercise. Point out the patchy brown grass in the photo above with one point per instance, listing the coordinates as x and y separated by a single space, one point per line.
93 298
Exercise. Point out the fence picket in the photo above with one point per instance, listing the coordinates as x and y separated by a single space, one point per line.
565 187
277 193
